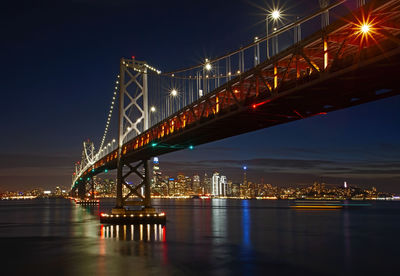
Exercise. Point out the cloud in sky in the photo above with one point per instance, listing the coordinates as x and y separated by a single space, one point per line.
27 171
302 168
8 161
376 166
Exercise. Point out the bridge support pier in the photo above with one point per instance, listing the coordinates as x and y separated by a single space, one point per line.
91 188
82 190
141 191
146 214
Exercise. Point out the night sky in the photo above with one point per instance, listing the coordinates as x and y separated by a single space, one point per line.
58 66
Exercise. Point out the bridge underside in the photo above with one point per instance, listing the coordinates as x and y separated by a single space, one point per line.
329 71
368 81
364 83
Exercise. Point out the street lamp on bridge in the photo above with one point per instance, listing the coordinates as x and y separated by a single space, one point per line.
365 28
274 16
152 110
170 103
208 66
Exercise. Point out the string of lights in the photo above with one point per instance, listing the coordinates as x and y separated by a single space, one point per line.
110 112
169 92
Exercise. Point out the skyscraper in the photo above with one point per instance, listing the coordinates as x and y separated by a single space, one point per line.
157 183
215 184
243 188
207 187
219 185
196 184
223 185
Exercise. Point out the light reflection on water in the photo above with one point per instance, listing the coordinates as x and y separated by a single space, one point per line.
219 220
211 237
246 223
137 232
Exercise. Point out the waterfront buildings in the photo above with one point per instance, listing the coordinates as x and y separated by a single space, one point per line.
219 185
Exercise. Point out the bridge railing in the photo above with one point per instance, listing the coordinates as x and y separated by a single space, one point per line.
171 91
174 92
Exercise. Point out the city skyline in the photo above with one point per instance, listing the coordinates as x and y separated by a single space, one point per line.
215 185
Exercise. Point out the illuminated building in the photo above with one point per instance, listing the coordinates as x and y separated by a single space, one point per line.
244 185
207 189
223 185
196 184
158 187
58 191
219 184
229 188
171 186
215 184
181 184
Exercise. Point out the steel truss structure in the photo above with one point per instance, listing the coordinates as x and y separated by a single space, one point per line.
133 87
143 197
335 68
337 49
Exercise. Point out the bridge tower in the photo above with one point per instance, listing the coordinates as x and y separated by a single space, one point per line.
133 120
88 158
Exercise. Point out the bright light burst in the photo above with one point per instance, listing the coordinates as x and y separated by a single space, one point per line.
174 92
276 14
365 29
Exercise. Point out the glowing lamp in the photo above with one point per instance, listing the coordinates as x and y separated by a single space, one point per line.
174 92
365 28
276 14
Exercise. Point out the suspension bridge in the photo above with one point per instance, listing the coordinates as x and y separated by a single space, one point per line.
348 62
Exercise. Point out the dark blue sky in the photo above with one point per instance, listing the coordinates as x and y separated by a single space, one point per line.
60 58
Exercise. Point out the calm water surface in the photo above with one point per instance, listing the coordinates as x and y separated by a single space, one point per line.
209 237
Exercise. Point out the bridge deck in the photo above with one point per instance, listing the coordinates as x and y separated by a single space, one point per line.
333 69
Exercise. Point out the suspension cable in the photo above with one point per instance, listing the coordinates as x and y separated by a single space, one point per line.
113 101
